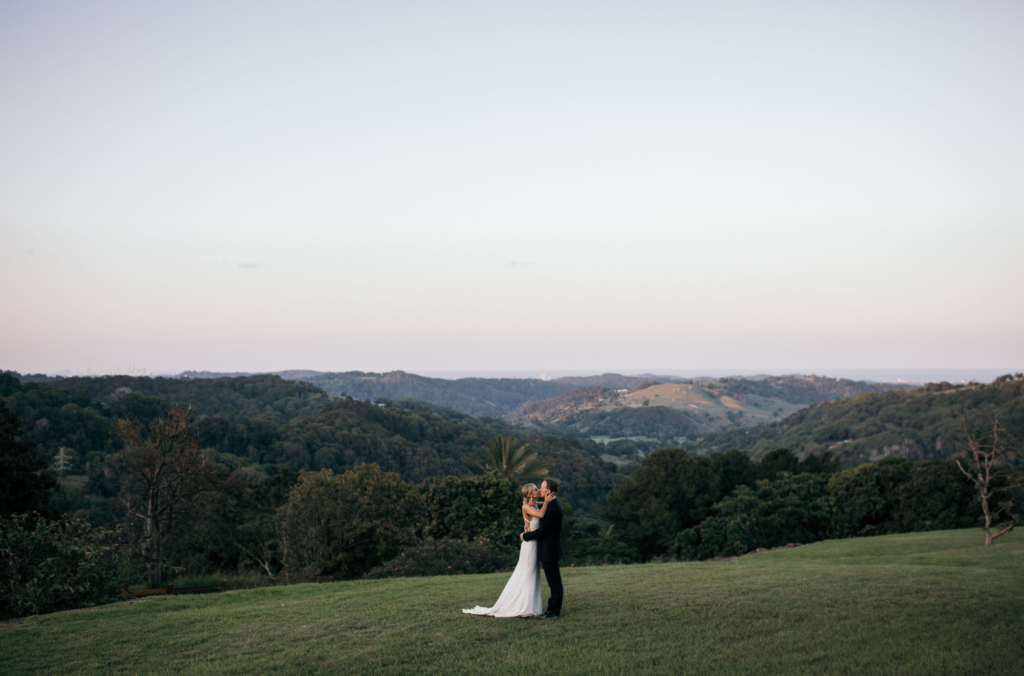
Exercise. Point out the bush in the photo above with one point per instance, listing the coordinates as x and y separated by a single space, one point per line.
899 496
344 525
861 500
935 496
481 508
46 566
774 513
598 550
671 491
447 557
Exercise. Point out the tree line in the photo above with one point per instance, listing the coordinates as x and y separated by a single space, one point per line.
691 507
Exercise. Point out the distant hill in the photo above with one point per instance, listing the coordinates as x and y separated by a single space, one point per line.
921 424
615 381
293 374
699 403
474 396
249 395
676 411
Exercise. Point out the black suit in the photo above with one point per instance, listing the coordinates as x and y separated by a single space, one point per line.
549 551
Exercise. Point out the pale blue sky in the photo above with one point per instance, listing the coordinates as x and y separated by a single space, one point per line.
511 186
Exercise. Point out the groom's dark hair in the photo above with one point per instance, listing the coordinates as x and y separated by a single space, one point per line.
552 485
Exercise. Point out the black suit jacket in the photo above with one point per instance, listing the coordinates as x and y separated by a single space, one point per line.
548 534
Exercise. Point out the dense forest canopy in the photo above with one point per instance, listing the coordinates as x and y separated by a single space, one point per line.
265 423
250 395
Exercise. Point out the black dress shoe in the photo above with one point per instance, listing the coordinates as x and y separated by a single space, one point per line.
550 616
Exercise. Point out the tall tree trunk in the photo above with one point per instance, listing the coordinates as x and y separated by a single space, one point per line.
988 519
155 536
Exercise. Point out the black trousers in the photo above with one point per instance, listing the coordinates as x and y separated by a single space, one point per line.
554 578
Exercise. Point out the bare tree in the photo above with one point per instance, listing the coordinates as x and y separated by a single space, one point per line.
162 474
990 458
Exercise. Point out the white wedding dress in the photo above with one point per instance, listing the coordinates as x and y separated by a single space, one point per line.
521 596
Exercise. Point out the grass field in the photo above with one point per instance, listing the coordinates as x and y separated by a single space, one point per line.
923 603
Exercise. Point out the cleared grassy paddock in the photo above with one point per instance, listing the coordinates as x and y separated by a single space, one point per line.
923 603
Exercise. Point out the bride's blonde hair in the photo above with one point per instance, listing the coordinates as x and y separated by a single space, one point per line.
527 490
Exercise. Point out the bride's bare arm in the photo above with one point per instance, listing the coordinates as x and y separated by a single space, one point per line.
533 511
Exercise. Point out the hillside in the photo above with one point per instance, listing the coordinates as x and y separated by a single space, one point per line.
475 396
472 396
265 423
677 411
614 381
246 395
920 424
923 604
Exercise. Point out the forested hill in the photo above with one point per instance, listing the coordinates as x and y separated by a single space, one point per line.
264 423
680 411
501 396
249 395
919 424
614 381
475 396
802 389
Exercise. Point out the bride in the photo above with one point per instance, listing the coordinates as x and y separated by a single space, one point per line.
521 596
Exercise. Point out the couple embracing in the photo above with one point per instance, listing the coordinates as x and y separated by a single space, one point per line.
541 543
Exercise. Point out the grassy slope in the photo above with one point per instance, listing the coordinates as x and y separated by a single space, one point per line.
927 603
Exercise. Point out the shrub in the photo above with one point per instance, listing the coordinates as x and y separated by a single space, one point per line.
861 500
671 491
46 566
447 557
343 525
774 513
472 509
597 550
899 496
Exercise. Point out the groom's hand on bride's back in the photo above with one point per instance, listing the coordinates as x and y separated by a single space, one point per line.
521 536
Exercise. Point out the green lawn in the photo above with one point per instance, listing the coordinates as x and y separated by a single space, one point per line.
925 603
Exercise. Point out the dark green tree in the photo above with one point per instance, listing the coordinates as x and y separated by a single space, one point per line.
935 496
163 473
345 524
670 492
487 508
861 501
25 484
771 514
784 460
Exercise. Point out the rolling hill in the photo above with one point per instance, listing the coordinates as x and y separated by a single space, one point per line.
920 424
264 423
677 411
473 396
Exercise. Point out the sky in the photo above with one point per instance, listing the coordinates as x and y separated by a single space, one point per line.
502 187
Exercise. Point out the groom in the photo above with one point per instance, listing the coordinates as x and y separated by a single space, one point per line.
549 546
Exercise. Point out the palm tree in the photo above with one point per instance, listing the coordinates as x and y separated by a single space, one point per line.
506 457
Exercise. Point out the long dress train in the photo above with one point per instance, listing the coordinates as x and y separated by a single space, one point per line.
521 596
